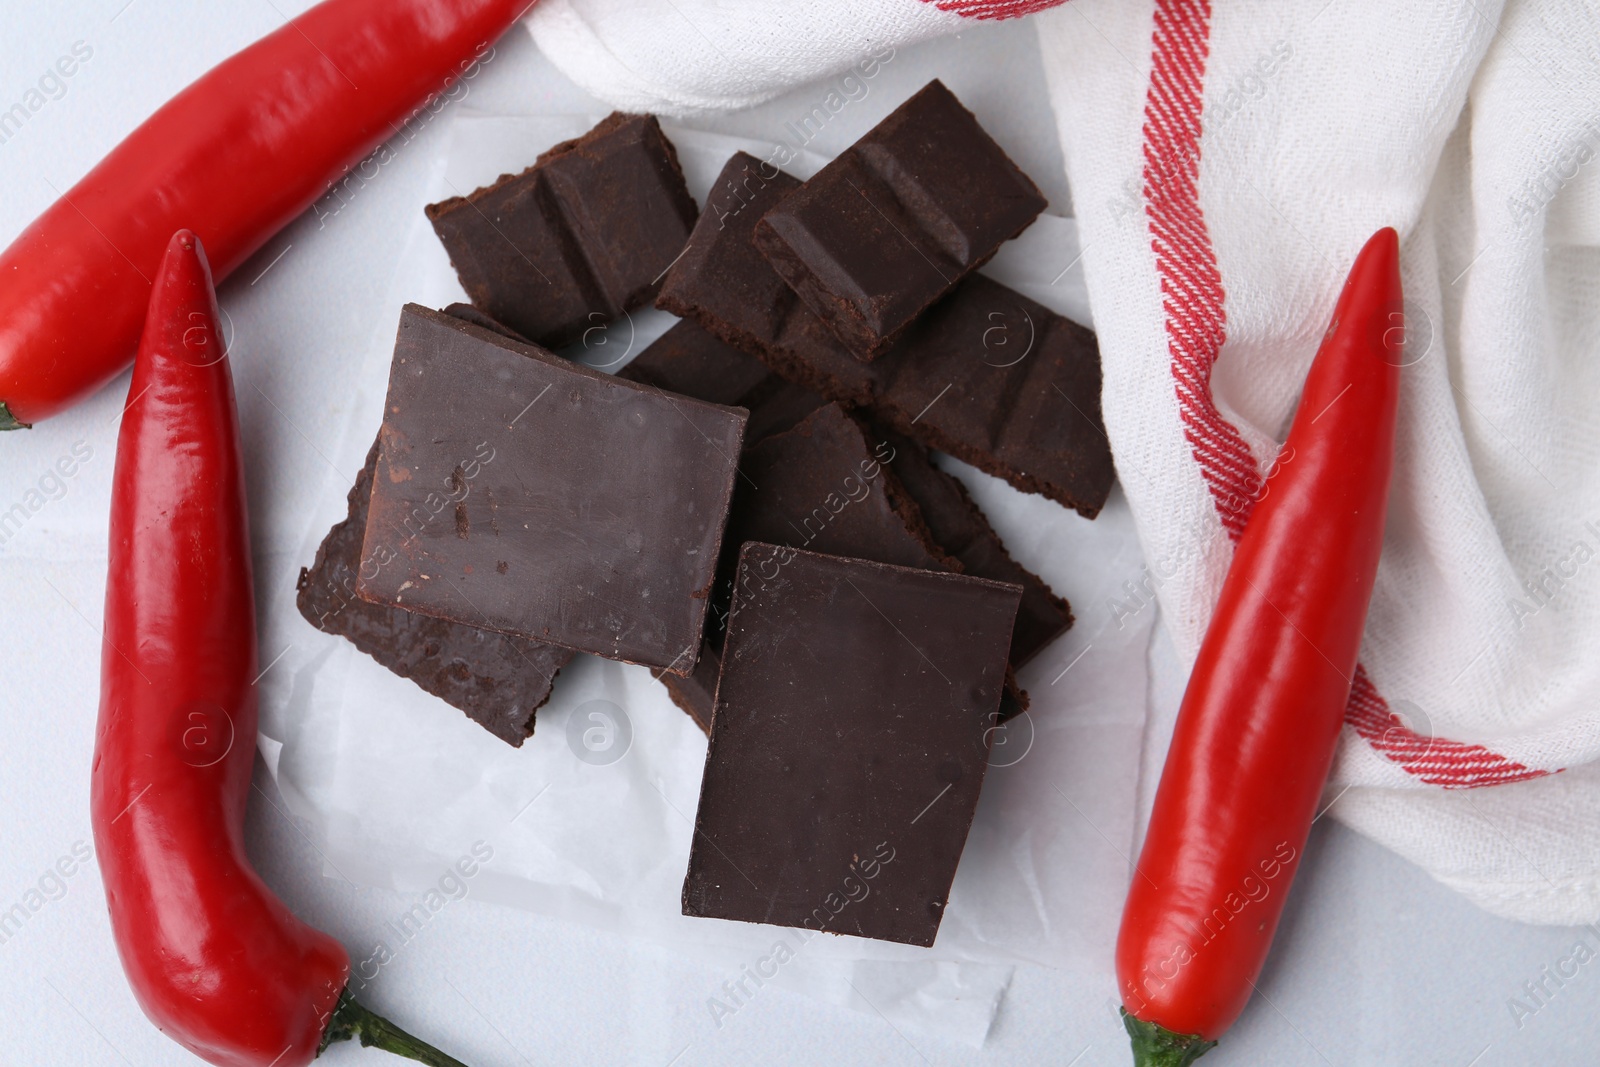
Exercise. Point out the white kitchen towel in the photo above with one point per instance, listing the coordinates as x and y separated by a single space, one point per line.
677 57
1226 163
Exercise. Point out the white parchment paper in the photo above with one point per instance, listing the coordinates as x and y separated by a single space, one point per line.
397 786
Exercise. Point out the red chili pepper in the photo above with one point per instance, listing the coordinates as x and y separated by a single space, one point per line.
1256 732
215 960
234 157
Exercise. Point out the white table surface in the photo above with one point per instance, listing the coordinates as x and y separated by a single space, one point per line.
1374 963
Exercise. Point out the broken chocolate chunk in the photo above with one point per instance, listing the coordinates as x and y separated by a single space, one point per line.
827 486
824 486
498 680
960 528
897 219
688 360
578 238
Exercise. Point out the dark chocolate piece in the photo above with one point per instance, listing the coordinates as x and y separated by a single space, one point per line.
825 487
960 528
725 285
527 494
778 405
849 743
578 238
498 680
688 360
987 375
899 218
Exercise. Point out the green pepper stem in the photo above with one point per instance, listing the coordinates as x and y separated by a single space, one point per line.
350 1019
9 421
1156 1046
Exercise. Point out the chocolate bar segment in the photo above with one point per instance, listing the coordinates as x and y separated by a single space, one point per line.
899 218
1005 384
960 528
828 485
688 360
526 494
725 285
824 486
987 375
498 680
849 743
578 238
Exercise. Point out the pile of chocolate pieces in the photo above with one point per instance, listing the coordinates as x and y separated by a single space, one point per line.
748 507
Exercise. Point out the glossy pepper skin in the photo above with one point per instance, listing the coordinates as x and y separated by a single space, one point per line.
1260 719
234 157
213 957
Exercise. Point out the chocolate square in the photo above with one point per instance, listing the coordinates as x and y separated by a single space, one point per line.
578 238
1005 384
523 493
848 745
987 375
899 218
498 680
723 283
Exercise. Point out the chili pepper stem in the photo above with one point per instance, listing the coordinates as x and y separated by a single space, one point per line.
1156 1046
9 421
351 1020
